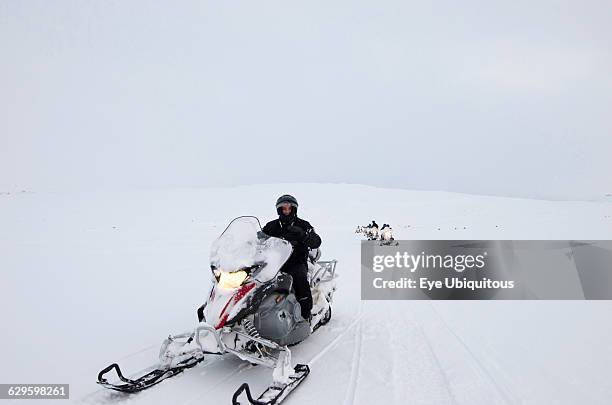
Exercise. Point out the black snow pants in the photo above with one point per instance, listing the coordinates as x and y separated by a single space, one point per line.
299 273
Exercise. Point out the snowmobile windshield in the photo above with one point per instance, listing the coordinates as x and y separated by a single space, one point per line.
244 247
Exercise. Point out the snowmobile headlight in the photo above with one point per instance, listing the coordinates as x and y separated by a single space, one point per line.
230 281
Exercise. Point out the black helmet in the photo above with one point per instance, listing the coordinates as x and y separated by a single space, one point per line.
286 198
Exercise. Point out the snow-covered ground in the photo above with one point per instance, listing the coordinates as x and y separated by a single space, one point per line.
92 278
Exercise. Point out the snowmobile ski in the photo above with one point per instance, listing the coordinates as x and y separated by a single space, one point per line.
147 380
274 394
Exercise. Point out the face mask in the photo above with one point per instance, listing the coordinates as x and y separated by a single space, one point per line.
285 219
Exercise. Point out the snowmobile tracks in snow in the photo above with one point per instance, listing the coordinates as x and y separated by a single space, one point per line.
504 393
351 393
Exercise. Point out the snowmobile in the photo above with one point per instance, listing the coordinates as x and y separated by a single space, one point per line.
369 231
251 312
386 236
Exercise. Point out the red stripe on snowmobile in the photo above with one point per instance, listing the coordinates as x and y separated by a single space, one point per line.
222 322
225 307
244 290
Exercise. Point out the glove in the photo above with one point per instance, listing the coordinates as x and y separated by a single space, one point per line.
295 234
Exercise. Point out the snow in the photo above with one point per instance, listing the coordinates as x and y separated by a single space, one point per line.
97 277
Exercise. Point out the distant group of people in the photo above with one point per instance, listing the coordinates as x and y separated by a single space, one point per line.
374 232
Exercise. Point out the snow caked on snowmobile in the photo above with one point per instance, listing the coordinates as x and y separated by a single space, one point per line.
251 312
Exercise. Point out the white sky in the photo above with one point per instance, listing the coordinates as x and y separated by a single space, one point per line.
489 97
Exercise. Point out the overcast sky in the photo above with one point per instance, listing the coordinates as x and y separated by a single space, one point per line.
489 97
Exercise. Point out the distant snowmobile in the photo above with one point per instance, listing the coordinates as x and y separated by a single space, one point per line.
386 236
251 312
370 231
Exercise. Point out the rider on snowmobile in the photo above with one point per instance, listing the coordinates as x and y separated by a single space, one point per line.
303 237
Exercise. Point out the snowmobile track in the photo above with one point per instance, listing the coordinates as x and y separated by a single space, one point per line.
436 361
351 392
500 390
330 345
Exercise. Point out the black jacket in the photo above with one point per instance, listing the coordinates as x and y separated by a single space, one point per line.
301 235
